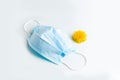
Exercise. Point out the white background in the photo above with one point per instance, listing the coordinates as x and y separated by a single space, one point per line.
99 18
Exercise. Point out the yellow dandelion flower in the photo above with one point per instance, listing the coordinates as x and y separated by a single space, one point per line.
79 36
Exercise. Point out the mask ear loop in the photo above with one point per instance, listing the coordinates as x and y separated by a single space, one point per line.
72 69
25 26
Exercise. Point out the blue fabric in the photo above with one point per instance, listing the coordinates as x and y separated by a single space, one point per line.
46 41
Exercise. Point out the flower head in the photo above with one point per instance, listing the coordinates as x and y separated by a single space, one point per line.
79 36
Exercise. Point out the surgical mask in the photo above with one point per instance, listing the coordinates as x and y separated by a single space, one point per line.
49 43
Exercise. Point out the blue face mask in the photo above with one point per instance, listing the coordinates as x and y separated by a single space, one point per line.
47 42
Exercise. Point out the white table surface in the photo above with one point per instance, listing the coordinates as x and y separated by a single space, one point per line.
99 18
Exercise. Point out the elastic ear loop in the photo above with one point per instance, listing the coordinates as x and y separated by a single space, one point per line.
25 25
85 59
